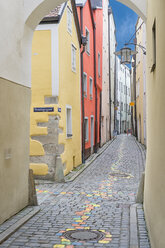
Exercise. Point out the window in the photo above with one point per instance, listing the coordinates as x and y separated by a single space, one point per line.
69 20
124 107
85 84
73 58
121 106
124 89
86 129
91 88
121 87
68 121
88 41
127 108
154 46
99 64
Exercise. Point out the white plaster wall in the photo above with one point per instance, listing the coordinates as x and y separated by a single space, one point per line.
105 77
125 80
112 65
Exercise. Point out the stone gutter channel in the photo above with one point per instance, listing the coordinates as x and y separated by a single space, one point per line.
14 223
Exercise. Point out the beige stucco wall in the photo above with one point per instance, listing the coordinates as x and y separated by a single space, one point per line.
14 142
154 201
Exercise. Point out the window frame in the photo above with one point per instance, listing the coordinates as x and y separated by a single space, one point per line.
153 46
85 91
90 88
88 41
69 136
99 64
73 57
86 129
69 20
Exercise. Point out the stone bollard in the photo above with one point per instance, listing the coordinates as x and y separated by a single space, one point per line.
32 190
140 194
59 172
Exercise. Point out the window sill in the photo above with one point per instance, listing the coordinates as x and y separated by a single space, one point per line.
69 136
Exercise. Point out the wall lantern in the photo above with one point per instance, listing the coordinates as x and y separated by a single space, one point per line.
125 53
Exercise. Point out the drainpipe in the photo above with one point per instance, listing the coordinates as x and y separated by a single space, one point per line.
134 86
126 99
115 91
109 35
100 119
94 40
82 92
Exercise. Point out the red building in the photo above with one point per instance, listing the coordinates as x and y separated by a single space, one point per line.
91 74
98 19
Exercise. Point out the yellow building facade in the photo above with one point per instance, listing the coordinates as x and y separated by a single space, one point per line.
141 81
55 130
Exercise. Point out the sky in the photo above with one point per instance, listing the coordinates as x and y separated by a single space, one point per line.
125 20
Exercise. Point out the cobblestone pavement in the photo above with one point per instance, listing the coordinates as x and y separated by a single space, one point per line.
97 200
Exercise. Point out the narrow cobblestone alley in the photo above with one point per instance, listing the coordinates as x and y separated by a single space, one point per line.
99 199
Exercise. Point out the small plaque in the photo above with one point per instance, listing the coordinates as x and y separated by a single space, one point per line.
59 110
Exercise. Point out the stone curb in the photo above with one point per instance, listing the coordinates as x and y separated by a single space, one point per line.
9 231
90 162
133 227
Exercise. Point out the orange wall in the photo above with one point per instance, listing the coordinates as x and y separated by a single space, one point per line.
88 65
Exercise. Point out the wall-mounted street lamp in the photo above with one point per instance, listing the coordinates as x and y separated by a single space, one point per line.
135 44
125 53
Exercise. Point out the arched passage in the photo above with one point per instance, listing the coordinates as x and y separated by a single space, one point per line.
17 25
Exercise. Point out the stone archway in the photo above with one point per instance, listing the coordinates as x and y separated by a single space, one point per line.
18 22
139 6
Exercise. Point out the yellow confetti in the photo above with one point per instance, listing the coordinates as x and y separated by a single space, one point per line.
65 240
79 221
103 242
108 235
59 246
